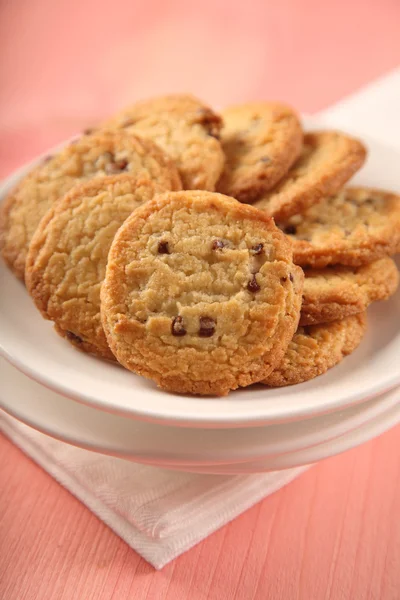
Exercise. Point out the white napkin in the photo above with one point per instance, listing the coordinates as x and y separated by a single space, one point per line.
157 512
373 110
162 513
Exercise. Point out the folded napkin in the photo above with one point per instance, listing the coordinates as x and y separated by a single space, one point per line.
157 512
162 513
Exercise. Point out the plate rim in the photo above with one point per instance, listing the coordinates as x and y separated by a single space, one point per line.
52 426
368 431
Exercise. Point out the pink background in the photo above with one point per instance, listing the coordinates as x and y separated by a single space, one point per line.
334 533
65 63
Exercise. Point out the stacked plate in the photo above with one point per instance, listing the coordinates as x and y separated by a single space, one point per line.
98 405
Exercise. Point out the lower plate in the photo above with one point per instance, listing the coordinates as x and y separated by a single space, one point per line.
385 421
161 445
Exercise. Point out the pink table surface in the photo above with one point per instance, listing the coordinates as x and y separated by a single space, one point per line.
334 533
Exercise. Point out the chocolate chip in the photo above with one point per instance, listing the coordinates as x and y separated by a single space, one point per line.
210 121
163 249
291 277
88 131
218 245
122 164
73 337
265 159
257 249
290 230
177 327
116 167
283 279
207 327
253 286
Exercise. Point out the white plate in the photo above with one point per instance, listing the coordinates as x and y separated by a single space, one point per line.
29 343
160 445
372 429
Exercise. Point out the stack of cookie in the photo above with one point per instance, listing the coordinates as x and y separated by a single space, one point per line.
206 252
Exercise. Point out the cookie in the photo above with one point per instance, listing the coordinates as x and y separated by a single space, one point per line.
316 348
200 294
179 105
261 141
186 129
327 161
87 157
337 292
67 257
355 227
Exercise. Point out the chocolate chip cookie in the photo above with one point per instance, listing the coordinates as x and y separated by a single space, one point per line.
89 156
336 292
186 129
327 161
200 294
261 142
67 257
317 348
186 105
355 227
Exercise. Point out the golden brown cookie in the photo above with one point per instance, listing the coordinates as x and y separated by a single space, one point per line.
67 257
337 292
186 129
327 161
178 105
261 141
200 294
89 156
355 227
317 348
